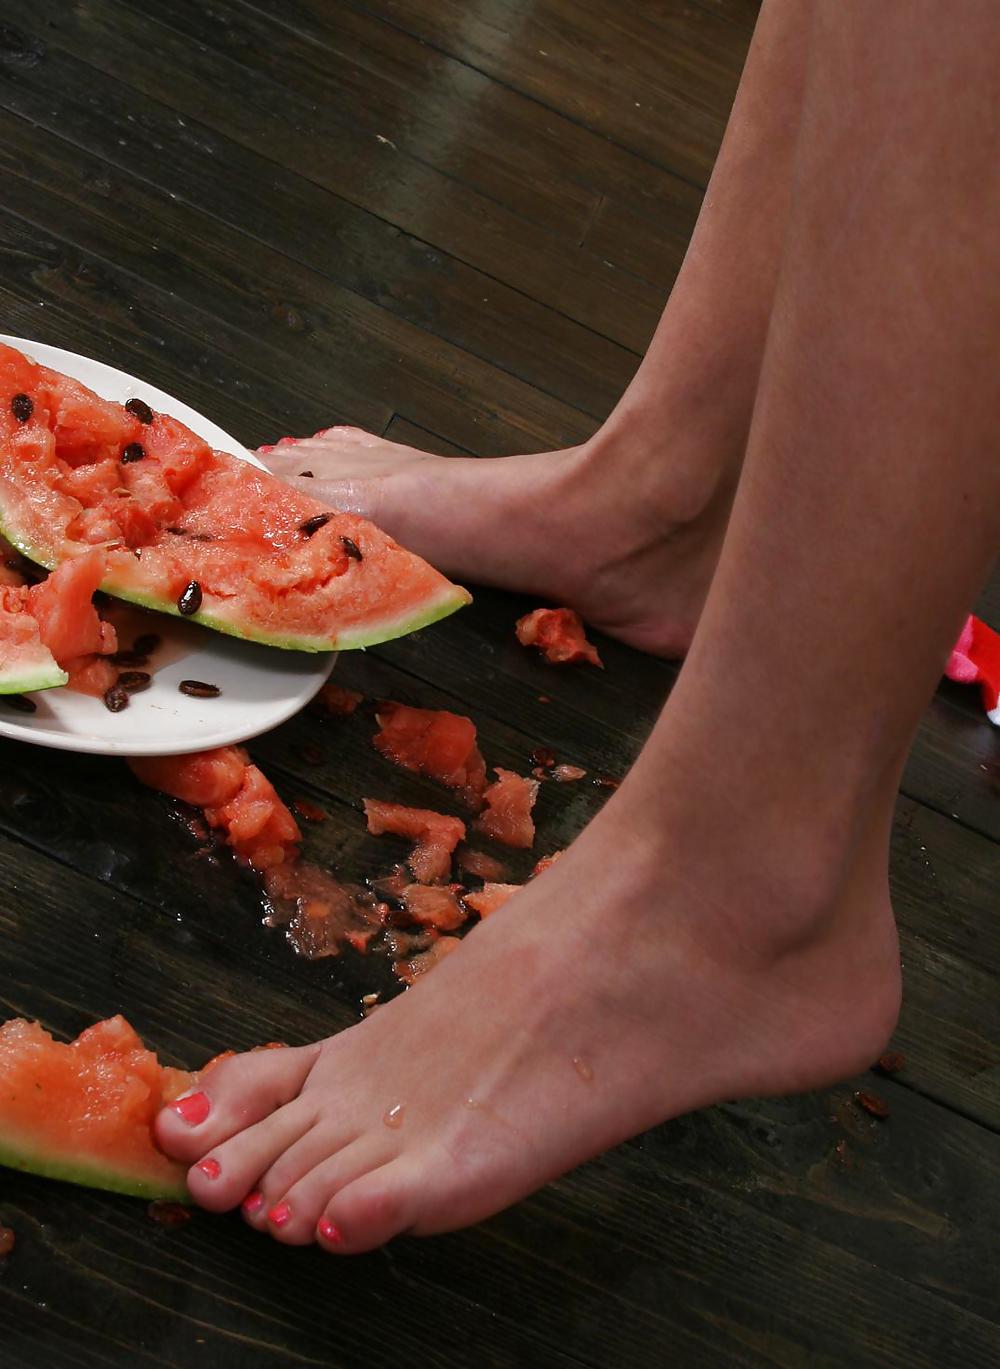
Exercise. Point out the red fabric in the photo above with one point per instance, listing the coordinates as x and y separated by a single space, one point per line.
976 660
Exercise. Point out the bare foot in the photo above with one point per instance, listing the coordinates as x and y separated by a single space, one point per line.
624 528
606 997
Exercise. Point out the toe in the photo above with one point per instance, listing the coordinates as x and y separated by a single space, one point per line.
369 1212
230 1097
224 1177
291 1213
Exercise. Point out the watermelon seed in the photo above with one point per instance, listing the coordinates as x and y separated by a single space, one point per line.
352 549
115 699
20 704
7 1240
135 451
190 600
129 658
145 645
306 475
139 409
312 525
199 690
134 681
22 407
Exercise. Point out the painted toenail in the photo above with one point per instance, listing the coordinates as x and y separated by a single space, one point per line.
253 1202
210 1168
193 1109
269 447
329 1232
279 1214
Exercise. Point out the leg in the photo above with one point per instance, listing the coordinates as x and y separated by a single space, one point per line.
748 945
643 504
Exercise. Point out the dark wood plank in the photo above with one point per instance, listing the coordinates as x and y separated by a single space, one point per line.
348 247
675 74
202 83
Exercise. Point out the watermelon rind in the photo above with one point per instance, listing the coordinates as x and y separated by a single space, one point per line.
27 676
29 1156
372 633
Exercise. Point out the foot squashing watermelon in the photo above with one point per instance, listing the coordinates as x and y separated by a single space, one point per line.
196 532
83 1111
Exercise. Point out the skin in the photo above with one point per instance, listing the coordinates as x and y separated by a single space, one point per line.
747 945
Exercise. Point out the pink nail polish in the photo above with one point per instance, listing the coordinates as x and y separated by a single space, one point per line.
253 1202
209 1167
329 1232
193 1109
279 1214
269 447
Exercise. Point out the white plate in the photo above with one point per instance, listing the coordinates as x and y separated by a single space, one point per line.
261 686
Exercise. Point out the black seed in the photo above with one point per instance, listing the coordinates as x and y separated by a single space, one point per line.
306 475
129 658
22 407
146 644
352 549
190 601
134 681
198 689
115 699
19 703
314 524
139 409
135 451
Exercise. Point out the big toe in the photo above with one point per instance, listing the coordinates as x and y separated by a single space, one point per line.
230 1097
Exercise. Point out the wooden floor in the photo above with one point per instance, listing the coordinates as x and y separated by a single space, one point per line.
454 221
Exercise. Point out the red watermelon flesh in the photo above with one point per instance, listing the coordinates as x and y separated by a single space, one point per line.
433 906
50 633
558 634
238 799
435 834
84 1111
270 563
490 897
411 970
507 816
435 743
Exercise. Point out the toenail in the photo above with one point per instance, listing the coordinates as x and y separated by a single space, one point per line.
210 1168
279 1214
266 449
253 1202
193 1109
329 1232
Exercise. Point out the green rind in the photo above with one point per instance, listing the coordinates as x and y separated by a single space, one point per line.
451 599
90 1174
44 675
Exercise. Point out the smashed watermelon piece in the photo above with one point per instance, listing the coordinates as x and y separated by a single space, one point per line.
490 897
435 743
433 906
238 799
559 635
409 971
436 836
507 813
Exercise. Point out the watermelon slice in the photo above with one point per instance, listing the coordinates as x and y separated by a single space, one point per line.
84 1111
195 532
50 634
